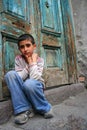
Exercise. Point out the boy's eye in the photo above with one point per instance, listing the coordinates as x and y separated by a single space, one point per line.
28 45
23 46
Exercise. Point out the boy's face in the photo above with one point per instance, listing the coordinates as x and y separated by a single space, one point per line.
27 48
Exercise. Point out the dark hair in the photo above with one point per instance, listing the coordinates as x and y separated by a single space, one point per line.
26 37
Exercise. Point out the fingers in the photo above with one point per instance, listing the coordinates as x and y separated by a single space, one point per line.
34 57
31 59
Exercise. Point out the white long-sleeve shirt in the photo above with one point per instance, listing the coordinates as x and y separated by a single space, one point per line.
33 71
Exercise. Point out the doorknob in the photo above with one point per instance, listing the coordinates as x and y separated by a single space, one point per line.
47 4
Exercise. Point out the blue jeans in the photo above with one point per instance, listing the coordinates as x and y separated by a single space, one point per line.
26 94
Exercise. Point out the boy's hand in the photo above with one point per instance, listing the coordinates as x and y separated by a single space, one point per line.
32 59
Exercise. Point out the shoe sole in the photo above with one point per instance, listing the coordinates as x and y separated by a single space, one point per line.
48 116
22 122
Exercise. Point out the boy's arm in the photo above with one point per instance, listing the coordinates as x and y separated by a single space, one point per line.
36 69
22 72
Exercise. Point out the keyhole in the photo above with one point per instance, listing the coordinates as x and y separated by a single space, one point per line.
47 4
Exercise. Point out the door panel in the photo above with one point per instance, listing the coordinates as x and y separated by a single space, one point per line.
10 51
49 18
19 8
53 57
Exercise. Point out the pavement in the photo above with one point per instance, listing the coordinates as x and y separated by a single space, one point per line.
69 114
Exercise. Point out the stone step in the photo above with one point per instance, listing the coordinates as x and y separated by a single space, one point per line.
59 94
54 96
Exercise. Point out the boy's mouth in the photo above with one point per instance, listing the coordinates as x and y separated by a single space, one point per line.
26 53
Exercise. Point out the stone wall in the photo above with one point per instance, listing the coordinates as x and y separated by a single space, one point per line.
80 21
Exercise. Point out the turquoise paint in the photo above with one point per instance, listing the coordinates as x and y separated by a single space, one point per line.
69 41
9 56
50 16
54 55
18 8
10 51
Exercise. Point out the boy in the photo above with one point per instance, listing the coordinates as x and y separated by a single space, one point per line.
26 83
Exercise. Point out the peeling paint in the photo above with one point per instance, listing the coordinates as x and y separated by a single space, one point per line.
50 40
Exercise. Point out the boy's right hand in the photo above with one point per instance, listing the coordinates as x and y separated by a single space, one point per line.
32 59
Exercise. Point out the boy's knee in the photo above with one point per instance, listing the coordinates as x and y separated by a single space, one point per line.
30 85
10 74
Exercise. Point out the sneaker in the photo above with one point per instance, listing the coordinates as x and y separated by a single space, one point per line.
23 117
31 113
48 114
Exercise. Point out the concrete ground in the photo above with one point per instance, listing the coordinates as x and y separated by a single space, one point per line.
69 114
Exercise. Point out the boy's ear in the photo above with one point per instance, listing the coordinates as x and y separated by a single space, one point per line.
35 48
34 45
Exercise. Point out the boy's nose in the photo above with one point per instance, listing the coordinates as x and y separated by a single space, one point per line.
25 48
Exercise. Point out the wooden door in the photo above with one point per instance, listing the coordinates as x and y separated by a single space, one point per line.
52 42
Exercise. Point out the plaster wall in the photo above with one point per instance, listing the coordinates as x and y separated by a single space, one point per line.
80 22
